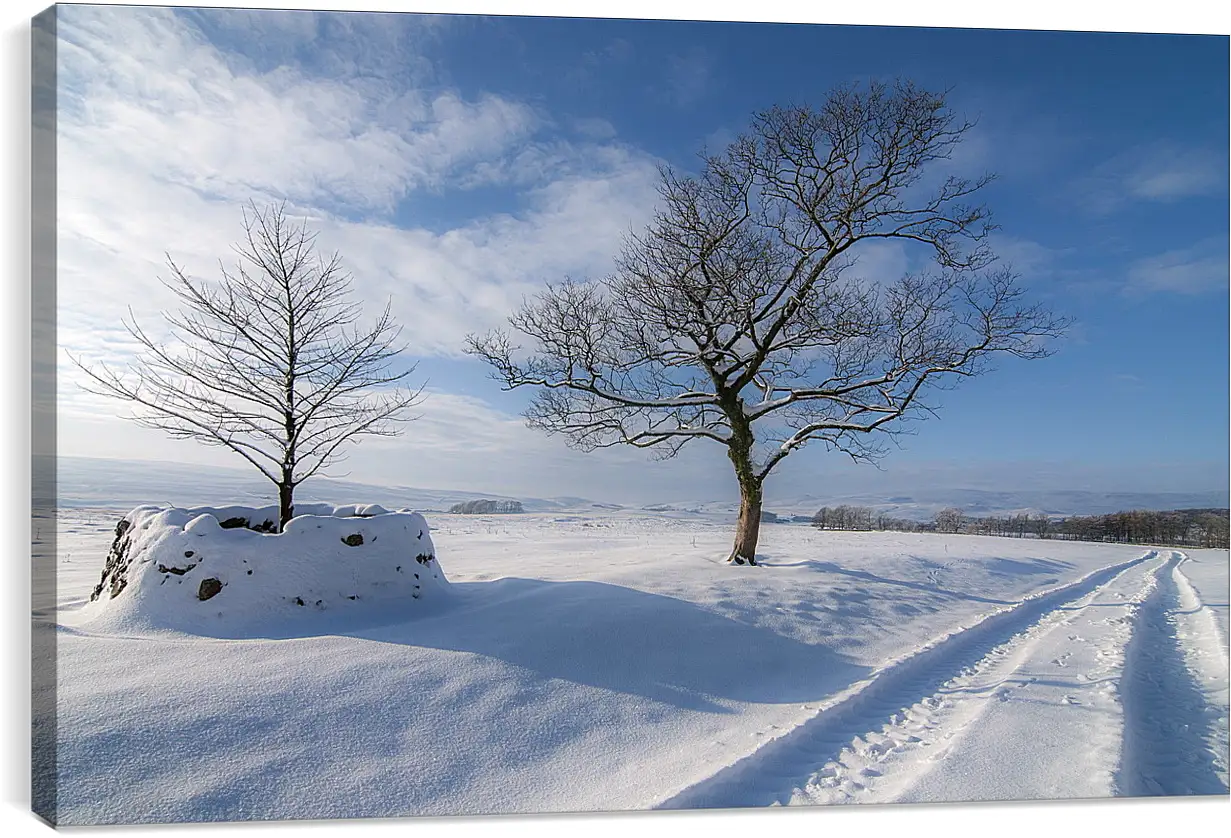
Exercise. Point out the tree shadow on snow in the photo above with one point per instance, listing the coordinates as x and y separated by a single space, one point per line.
865 576
995 566
625 640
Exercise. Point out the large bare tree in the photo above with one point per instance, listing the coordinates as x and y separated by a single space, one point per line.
270 362
741 315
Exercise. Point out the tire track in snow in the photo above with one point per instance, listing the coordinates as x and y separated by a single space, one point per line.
895 697
1174 694
1038 718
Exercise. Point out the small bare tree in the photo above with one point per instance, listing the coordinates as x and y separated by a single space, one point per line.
270 362
740 316
949 520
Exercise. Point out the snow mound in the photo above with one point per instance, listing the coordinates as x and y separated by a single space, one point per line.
209 567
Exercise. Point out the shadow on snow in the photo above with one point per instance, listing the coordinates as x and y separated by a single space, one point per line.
600 635
629 641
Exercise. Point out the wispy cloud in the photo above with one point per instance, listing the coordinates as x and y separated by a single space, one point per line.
1028 258
688 76
594 63
144 91
163 136
1157 173
1199 269
372 45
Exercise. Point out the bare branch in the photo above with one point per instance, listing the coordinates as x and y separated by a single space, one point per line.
270 362
738 315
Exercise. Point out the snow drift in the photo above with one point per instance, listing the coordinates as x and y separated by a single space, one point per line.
204 568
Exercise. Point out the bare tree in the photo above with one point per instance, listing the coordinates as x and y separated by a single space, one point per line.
741 316
270 362
949 520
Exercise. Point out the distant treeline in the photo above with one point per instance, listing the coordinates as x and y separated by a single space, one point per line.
864 518
487 507
1179 527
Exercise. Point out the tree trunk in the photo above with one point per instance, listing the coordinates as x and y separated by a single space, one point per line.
286 508
748 528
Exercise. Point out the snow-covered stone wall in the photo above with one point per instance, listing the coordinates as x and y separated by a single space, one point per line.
191 568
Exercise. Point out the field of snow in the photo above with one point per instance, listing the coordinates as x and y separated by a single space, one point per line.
612 660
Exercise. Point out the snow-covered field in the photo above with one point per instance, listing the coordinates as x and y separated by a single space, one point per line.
611 660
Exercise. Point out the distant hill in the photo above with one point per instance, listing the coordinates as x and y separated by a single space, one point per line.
923 505
85 481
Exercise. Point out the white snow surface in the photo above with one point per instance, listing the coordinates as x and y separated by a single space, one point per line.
612 660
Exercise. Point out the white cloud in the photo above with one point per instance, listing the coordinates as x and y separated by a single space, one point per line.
882 262
1192 270
163 136
594 128
146 92
458 442
161 140
688 76
1164 172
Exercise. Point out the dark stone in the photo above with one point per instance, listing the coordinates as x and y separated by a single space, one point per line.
209 588
178 571
423 558
353 540
298 600
115 571
188 554
240 521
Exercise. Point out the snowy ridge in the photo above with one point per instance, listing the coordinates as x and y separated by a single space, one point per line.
772 774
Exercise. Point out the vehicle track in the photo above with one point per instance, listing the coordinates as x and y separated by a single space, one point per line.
882 717
1174 695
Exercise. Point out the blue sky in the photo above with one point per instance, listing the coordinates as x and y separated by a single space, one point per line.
458 163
